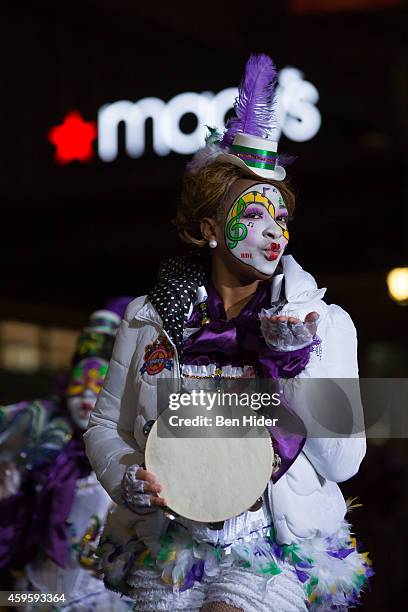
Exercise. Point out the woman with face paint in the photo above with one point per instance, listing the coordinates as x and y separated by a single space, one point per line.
52 506
233 307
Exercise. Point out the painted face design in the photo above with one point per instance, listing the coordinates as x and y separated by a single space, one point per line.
256 230
84 385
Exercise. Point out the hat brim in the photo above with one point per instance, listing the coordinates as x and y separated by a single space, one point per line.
278 174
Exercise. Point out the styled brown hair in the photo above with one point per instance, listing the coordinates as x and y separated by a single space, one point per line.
205 190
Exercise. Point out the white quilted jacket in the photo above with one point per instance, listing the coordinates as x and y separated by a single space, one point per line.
306 500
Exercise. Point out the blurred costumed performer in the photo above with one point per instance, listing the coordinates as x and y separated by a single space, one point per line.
233 307
52 507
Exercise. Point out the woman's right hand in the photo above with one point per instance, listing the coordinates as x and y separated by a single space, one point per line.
140 489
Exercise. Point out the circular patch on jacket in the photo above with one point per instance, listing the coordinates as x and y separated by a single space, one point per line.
158 355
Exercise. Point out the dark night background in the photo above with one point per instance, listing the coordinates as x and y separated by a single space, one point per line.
74 235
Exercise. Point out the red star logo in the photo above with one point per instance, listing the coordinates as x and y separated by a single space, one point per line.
73 138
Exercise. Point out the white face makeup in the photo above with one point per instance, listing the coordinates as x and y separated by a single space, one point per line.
256 228
85 383
80 409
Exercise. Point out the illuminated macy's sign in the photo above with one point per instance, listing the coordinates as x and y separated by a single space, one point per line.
297 117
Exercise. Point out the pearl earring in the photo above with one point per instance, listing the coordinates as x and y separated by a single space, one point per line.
213 244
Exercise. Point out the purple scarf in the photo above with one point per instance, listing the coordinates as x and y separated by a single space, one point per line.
240 342
36 517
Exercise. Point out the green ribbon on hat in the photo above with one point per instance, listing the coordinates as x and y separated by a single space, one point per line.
256 153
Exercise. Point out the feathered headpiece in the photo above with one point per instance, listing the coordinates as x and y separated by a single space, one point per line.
246 141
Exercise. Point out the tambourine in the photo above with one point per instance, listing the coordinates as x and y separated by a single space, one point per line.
210 479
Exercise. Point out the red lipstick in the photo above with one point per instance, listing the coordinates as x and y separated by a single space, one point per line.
273 251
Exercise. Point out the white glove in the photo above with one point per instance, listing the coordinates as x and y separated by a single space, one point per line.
10 479
140 488
287 333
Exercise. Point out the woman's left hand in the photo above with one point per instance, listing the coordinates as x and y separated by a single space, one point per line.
10 479
287 333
